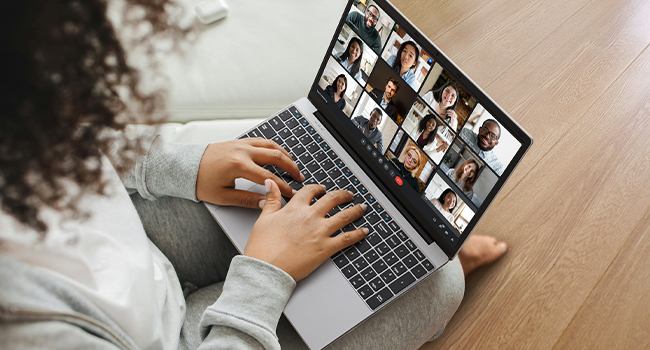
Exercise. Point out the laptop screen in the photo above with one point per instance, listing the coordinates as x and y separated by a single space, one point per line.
441 148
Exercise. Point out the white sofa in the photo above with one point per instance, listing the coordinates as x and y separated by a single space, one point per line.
262 57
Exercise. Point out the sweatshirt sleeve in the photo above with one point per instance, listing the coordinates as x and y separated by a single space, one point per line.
246 314
165 169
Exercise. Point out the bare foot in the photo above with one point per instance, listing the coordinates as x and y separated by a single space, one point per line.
480 250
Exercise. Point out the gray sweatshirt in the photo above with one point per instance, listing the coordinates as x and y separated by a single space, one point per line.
40 310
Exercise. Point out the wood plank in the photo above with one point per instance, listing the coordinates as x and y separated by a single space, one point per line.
566 223
617 313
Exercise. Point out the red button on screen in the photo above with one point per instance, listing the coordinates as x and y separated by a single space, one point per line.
398 180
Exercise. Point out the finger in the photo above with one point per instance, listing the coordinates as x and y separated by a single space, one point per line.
260 142
266 156
331 199
347 239
240 198
307 193
347 216
273 201
257 174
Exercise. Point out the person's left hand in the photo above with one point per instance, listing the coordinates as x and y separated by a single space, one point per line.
224 162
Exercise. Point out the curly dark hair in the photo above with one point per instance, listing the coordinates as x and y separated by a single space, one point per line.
66 81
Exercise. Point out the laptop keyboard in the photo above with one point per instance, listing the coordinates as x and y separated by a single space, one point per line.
386 261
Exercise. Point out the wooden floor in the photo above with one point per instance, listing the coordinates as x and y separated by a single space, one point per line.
576 75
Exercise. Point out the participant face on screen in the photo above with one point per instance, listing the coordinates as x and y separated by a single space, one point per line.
372 15
340 85
355 51
412 159
375 119
469 170
448 98
391 89
488 136
408 56
449 201
431 125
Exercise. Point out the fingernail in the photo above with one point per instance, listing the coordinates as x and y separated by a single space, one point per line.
262 203
293 192
350 192
364 206
366 231
302 177
267 184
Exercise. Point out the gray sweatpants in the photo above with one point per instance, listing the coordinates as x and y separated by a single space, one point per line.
200 252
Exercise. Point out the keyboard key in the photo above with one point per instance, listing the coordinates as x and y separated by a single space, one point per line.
357 199
399 268
296 185
376 300
390 258
404 281
255 133
368 274
320 175
340 260
382 248
371 256
267 131
312 147
362 246
362 189
382 229
374 239
320 156
392 241
357 281
313 167
377 284
393 226
348 271
428 265
385 217
317 137
328 183
291 141
339 163
360 264
294 111
286 115
419 271
402 235
276 124
311 130
370 199
365 291
410 245
327 164
291 123
335 173
410 261
305 158
379 266
346 172
324 146
333 211
354 180
401 251
297 150
377 208
277 139
418 254
332 154
303 122
387 276
284 134
352 253
372 218
342 182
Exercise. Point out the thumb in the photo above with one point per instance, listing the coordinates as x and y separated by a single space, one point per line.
273 201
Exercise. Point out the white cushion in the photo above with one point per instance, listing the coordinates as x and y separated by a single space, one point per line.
262 57
206 131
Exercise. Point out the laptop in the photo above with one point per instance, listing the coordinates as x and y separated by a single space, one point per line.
392 119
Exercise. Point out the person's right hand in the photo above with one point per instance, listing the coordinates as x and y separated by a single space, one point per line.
296 238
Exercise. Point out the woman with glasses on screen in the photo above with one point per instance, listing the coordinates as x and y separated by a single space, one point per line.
444 101
405 62
407 165
336 90
351 57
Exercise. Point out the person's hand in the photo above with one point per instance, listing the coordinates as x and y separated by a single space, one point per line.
296 238
442 144
224 162
451 114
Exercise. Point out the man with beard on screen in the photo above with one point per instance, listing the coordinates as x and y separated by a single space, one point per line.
484 142
366 26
